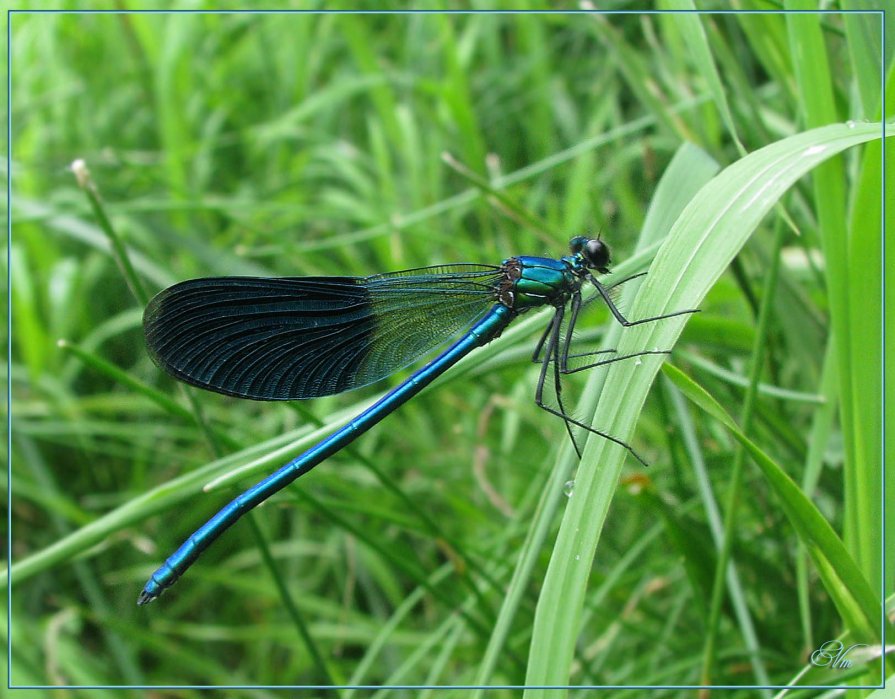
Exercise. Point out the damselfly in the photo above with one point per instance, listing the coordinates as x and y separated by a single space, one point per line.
302 337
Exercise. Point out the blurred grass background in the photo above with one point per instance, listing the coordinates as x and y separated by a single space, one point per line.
313 144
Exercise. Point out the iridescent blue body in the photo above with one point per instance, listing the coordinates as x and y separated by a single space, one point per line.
481 333
544 280
302 337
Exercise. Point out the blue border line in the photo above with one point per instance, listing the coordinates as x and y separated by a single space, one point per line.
882 113
11 12
450 12
9 347
595 11
791 687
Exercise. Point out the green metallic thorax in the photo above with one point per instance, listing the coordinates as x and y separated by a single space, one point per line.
540 281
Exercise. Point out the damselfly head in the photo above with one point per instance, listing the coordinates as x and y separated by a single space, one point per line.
593 251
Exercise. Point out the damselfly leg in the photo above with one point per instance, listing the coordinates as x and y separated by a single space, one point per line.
552 345
605 294
554 348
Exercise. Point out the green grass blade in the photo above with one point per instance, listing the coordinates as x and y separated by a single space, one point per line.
119 250
689 169
859 606
700 246
864 282
865 36
696 40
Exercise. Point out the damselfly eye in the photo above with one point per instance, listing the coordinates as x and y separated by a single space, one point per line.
596 255
577 244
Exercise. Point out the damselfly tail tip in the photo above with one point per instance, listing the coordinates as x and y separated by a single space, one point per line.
145 598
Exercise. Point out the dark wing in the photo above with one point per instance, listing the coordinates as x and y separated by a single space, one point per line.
303 337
